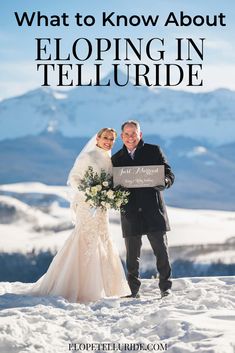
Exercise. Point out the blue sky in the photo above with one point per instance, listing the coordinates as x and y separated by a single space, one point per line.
17 50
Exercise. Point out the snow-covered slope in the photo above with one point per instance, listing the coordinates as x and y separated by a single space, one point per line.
198 317
44 218
168 113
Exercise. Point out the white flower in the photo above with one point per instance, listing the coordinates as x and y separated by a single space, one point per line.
90 202
88 190
105 183
94 190
119 203
106 205
99 187
110 194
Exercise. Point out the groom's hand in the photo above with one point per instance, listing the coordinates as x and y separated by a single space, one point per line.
167 183
163 187
159 187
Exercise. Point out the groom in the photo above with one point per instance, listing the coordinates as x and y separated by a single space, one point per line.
145 212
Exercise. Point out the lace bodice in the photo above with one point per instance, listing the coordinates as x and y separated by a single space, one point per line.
92 222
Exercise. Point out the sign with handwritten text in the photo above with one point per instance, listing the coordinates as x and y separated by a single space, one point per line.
139 176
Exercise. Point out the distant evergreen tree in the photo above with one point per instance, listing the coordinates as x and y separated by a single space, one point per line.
24 267
31 266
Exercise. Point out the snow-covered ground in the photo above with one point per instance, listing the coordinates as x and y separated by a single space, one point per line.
198 317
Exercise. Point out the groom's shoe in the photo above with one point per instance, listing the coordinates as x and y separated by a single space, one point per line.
133 295
165 293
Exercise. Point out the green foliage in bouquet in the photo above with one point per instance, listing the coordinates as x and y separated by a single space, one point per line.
100 192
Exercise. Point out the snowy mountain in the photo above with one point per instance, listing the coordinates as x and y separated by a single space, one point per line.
47 158
84 110
201 241
200 169
42 131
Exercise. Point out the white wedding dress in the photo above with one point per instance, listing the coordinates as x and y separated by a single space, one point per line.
88 266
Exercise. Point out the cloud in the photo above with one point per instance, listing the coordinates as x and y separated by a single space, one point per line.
219 45
11 69
17 78
22 76
219 76
214 77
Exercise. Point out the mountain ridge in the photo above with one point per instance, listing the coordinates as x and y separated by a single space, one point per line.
201 169
81 111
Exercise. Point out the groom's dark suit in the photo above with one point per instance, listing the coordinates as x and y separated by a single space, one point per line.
145 213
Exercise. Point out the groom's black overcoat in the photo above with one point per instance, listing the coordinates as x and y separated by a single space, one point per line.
145 211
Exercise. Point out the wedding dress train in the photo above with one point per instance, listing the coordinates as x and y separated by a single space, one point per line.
88 266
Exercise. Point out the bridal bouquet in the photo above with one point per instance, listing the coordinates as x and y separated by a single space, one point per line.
100 192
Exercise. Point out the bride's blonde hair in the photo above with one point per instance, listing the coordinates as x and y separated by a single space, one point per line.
106 129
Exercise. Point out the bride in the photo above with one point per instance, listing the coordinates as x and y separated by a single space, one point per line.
88 266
